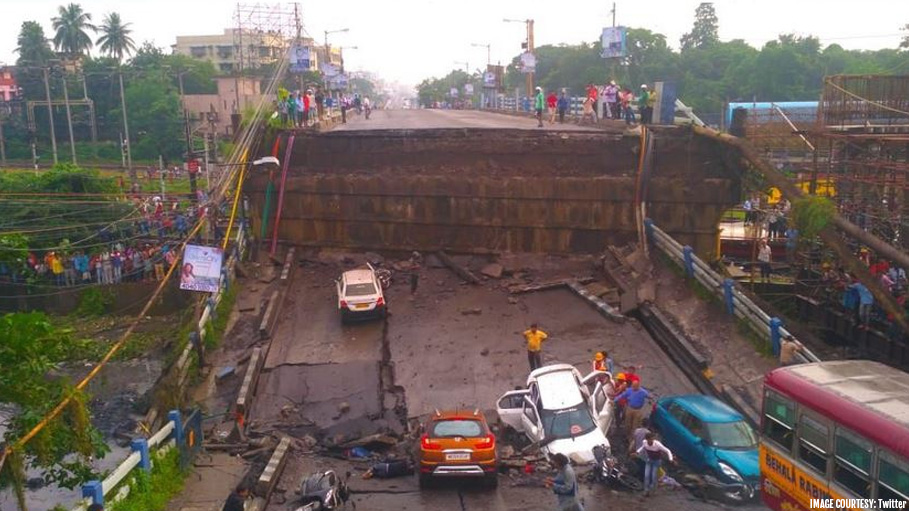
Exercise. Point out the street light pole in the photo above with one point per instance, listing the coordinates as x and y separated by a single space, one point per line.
488 47
69 119
529 25
129 154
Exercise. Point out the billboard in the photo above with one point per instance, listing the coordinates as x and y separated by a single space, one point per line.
468 89
613 41
330 70
489 80
528 62
201 269
299 59
338 82
453 92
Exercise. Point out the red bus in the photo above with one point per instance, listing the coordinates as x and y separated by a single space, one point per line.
835 430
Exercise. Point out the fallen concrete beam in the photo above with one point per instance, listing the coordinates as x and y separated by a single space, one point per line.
462 272
272 472
287 270
601 306
269 319
530 288
248 387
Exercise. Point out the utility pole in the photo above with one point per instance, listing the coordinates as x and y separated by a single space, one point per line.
129 155
91 112
50 114
530 50
613 14
2 143
69 119
189 142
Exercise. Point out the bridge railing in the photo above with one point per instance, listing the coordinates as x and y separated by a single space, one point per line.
185 435
737 303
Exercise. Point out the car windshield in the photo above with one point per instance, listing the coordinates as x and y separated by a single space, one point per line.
731 435
567 423
361 289
461 427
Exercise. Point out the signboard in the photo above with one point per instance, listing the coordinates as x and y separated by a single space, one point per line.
468 89
338 82
453 92
528 62
299 59
330 70
489 80
201 269
613 41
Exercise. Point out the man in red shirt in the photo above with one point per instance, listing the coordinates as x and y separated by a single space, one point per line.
551 101
593 94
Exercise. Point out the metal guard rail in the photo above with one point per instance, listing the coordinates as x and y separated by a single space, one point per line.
736 302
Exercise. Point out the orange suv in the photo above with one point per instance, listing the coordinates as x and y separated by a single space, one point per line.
458 444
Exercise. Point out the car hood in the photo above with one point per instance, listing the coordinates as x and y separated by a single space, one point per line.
579 449
744 462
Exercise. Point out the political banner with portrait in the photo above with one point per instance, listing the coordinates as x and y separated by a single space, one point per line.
613 41
528 62
201 269
300 59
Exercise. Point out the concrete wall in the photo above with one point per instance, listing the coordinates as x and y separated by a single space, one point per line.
476 190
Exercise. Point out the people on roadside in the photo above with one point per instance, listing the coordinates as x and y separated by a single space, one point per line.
236 501
636 397
563 105
643 105
611 95
593 97
564 485
627 97
551 103
789 347
535 337
653 451
538 106
764 256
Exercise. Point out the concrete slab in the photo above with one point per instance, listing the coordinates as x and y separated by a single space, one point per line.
210 484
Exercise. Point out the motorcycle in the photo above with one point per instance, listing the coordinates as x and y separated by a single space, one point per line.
707 487
608 471
384 276
323 491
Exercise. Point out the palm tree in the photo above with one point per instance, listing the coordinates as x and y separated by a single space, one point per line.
116 41
33 46
71 25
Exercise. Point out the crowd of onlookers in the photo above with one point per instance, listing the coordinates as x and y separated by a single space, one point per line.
302 109
853 297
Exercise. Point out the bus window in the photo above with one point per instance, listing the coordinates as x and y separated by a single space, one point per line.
852 463
893 478
779 419
814 444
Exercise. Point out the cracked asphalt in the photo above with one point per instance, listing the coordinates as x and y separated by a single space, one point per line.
431 354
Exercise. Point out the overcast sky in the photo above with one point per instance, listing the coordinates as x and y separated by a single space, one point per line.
408 40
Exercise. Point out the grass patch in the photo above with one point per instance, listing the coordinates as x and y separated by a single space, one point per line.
760 345
215 329
153 491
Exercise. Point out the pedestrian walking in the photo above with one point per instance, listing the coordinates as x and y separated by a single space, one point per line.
552 102
562 105
764 255
653 451
788 348
237 499
535 337
565 484
538 106
593 96
636 397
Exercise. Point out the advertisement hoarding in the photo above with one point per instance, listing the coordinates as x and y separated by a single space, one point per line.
528 62
330 70
299 59
613 41
468 89
201 269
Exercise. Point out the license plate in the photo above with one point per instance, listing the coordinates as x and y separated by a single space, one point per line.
362 306
457 456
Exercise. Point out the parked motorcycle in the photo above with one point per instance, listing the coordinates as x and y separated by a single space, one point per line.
384 276
707 487
608 470
323 491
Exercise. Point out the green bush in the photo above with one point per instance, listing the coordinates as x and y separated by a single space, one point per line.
153 491
94 301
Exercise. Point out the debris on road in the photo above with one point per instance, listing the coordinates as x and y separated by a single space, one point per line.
380 439
530 288
224 372
461 271
474 311
493 270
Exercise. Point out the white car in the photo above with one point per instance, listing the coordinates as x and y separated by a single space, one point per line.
561 411
360 295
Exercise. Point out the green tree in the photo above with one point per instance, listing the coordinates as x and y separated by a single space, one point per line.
71 24
705 29
33 48
905 42
115 40
28 354
155 118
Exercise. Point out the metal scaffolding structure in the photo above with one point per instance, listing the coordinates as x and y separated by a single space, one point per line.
263 32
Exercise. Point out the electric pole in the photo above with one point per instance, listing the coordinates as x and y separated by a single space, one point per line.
129 155
69 119
189 142
2 143
50 114
613 14
530 50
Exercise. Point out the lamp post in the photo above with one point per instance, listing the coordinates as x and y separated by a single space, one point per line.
488 47
328 48
529 46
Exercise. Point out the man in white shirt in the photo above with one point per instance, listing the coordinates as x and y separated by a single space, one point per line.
764 255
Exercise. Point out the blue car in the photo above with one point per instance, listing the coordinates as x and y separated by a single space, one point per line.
710 437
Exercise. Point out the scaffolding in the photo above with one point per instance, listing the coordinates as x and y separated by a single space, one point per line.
263 32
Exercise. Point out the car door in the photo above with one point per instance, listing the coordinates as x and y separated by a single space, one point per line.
671 427
695 432
601 406
530 421
510 408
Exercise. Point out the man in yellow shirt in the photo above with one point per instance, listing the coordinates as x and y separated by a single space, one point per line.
535 338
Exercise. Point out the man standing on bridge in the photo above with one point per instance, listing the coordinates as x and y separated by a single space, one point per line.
535 338
538 106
